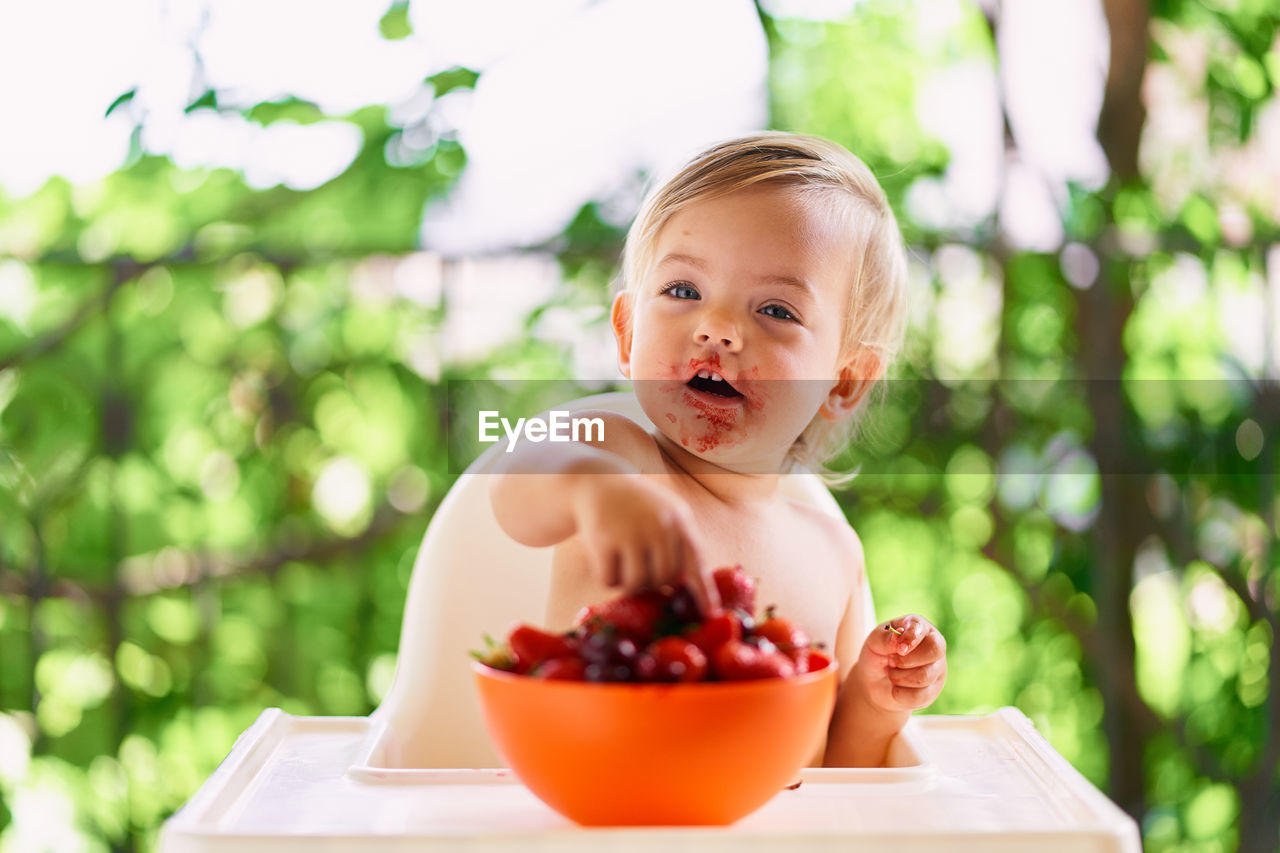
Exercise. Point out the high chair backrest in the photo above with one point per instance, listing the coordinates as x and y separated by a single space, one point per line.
470 579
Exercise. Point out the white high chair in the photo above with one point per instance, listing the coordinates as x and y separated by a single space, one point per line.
420 773
471 578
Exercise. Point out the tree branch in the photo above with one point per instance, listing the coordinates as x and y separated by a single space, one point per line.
53 339
168 569
1122 115
122 270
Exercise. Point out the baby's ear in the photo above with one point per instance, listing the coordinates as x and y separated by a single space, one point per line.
620 318
854 379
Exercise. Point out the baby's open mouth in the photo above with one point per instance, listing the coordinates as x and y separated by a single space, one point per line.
710 382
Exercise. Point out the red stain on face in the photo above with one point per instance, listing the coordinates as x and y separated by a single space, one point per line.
718 421
754 393
716 425
701 422
707 363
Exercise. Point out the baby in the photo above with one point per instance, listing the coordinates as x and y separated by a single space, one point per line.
763 297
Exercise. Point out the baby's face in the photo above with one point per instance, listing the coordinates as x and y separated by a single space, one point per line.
735 332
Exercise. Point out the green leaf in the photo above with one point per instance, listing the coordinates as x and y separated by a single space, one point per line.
121 101
287 109
395 25
208 100
453 78
495 654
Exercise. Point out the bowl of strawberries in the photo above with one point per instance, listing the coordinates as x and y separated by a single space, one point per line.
649 712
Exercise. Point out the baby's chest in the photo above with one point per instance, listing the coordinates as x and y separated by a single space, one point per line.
796 571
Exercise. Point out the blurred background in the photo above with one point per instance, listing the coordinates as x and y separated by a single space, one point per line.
246 247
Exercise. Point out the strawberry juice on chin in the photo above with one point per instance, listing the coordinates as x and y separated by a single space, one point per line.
698 420
716 416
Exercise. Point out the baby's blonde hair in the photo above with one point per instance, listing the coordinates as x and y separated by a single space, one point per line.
875 313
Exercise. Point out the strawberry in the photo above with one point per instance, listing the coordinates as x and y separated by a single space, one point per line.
783 633
561 669
495 654
531 646
737 591
805 661
738 661
714 632
676 659
634 615
658 635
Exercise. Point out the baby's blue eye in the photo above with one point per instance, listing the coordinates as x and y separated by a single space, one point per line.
681 290
777 312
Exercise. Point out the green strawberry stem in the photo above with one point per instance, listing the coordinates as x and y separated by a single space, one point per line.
495 654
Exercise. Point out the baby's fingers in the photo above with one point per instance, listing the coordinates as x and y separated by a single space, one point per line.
899 636
603 560
668 561
698 579
932 647
919 676
914 698
889 638
914 630
635 567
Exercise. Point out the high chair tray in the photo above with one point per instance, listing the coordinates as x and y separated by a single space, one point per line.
966 783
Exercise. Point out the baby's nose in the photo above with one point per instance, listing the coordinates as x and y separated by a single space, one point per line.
722 336
730 343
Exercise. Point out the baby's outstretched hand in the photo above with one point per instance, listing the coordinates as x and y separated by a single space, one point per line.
638 534
903 664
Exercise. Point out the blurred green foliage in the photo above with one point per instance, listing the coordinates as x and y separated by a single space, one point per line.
224 424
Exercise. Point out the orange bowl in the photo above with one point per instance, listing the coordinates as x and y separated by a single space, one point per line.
656 754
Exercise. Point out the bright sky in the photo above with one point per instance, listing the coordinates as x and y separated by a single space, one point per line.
542 135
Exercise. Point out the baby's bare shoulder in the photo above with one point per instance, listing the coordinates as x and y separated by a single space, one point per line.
628 439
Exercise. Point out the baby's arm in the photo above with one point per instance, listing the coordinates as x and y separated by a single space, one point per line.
635 531
900 666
